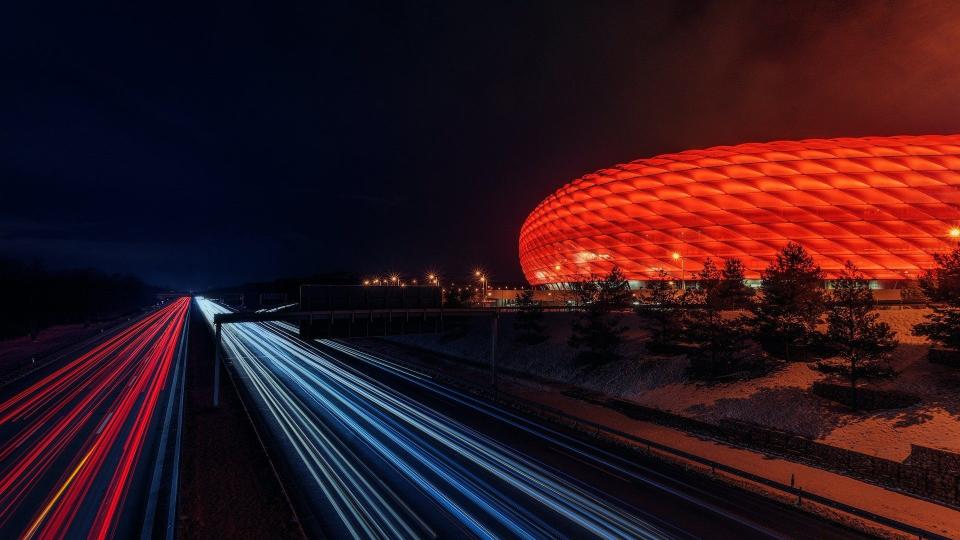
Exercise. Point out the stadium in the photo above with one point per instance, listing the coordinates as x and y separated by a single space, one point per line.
887 204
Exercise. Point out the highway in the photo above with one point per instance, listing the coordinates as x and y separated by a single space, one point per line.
84 444
373 449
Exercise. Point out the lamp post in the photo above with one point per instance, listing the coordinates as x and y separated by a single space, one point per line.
683 276
435 279
483 282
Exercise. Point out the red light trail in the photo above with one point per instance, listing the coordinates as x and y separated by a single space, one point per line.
72 440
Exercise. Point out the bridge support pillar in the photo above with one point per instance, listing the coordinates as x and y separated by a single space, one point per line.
216 368
494 328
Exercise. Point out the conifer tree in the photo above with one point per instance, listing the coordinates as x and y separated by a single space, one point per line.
528 324
720 339
942 286
853 328
659 309
792 302
597 330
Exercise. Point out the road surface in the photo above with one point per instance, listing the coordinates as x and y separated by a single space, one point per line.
83 443
374 449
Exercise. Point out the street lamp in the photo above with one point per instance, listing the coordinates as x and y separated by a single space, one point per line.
483 281
435 279
683 281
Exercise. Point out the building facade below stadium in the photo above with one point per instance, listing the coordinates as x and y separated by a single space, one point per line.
887 204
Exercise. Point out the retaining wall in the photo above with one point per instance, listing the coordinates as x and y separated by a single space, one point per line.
929 473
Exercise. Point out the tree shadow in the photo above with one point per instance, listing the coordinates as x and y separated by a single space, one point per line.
902 419
790 409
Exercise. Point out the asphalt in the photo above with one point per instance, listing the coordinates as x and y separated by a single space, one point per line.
679 503
80 439
451 465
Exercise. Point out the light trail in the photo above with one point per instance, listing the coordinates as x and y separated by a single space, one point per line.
335 418
589 454
72 442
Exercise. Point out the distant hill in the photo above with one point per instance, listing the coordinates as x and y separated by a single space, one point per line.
35 298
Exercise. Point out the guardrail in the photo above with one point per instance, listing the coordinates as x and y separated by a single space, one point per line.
640 443
244 316
717 466
165 480
49 357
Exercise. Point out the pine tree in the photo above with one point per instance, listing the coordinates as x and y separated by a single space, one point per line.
597 330
708 282
614 291
528 324
458 297
733 292
792 302
942 286
853 328
659 310
720 340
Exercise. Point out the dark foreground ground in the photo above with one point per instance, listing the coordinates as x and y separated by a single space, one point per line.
228 488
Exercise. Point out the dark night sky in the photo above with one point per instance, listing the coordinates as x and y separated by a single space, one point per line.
200 143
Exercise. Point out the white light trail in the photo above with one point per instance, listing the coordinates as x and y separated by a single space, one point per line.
321 404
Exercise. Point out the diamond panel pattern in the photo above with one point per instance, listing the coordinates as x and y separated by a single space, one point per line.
885 203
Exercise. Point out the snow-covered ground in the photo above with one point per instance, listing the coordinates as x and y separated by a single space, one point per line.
779 399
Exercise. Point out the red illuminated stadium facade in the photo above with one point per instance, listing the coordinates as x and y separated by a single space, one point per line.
885 203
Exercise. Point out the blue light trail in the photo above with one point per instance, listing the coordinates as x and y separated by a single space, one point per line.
341 424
